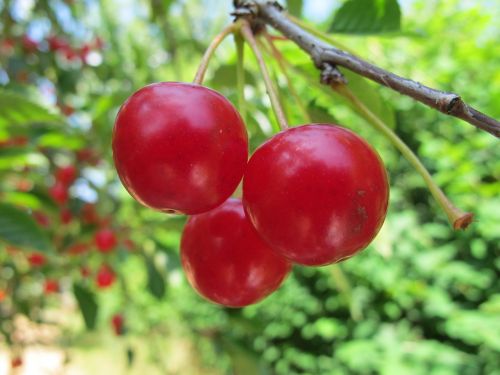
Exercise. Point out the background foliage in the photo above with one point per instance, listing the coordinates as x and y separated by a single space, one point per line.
421 299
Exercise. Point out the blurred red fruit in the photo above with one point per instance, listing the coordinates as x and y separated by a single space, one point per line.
129 244
57 43
59 193
29 44
3 294
37 259
105 276
16 362
66 175
66 109
105 240
99 43
51 286
88 155
20 140
42 219
7 46
77 248
117 324
65 216
24 185
89 214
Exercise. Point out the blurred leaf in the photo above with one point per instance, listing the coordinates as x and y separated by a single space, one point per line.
370 97
156 281
367 17
294 7
16 110
19 229
244 360
61 140
88 305
319 114
225 76
130 356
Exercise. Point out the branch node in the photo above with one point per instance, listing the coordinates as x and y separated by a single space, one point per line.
330 75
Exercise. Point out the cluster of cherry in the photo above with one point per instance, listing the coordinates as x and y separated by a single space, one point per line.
312 195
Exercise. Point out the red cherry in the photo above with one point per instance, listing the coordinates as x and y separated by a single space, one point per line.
89 214
117 323
105 240
66 175
65 216
226 261
57 43
3 295
105 276
51 286
179 147
59 193
37 259
316 193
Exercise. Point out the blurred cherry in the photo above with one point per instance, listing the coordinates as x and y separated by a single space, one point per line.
66 175
3 294
51 286
77 248
105 240
29 44
85 271
89 214
57 43
37 259
117 322
59 193
105 276
65 216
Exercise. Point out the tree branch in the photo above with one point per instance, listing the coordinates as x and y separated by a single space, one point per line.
325 56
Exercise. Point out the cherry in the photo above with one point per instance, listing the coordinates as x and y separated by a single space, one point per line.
51 286
179 147
316 193
85 271
105 240
57 43
41 218
105 276
3 295
37 259
117 322
65 216
77 248
226 261
59 193
66 175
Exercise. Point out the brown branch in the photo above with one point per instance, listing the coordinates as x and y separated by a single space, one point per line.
325 56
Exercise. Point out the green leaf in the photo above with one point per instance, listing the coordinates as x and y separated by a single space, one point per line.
156 281
88 305
19 229
16 110
225 77
319 114
295 7
367 17
370 96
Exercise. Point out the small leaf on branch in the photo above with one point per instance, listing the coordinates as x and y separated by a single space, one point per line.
367 17
88 305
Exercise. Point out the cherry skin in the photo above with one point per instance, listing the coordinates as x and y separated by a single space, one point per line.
316 193
66 175
179 147
226 261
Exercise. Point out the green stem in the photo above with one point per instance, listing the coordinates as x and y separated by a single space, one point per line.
240 74
202 68
280 59
457 218
247 33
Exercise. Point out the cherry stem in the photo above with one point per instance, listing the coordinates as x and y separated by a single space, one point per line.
240 74
291 88
344 287
457 218
202 68
247 33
